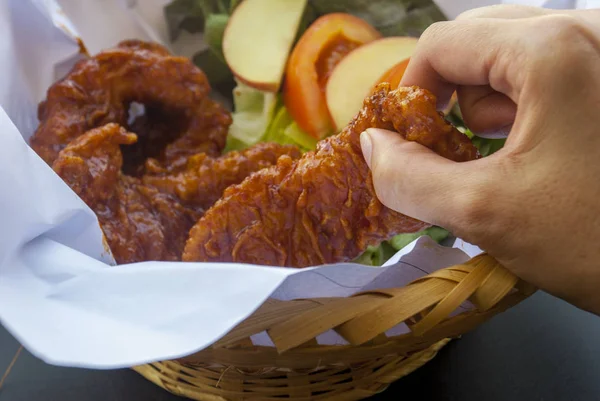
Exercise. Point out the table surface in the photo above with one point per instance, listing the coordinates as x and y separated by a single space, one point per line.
542 349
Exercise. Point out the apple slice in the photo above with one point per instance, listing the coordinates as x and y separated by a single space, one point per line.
258 39
354 77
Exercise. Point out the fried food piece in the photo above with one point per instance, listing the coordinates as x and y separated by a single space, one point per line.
140 223
136 44
323 208
100 89
201 182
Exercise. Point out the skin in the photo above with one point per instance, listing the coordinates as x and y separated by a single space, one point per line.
534 205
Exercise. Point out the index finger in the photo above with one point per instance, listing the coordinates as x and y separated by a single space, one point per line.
467 52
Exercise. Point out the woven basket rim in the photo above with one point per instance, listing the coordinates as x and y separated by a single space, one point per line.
298 368
424 305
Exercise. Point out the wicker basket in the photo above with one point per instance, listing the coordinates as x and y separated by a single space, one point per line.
300 369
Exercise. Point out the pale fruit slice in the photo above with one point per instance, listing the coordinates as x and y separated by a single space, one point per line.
355 76
258 39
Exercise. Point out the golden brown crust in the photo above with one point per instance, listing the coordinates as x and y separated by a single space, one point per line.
201 182
140 223
136 44
323 208
98 91
149 218
81 135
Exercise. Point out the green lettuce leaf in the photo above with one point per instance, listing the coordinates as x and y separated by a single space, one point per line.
284 130
299 137
378 255
390 17
373 256
213 34
280 122
254 111
184 15
213 66
210 18
437 234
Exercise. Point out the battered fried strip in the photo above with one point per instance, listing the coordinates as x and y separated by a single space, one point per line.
202 181
323 208
139 222
99 90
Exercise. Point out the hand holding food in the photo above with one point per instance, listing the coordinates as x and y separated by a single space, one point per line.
322 208
533 205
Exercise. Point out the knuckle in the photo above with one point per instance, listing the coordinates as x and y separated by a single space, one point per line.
554 42
435 31
502 11
483 12
558 36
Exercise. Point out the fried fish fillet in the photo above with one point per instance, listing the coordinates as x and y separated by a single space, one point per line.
323 208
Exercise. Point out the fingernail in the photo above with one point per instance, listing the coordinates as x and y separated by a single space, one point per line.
367 147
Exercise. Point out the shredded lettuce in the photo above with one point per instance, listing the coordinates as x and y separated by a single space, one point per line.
262 117
373 256
284 130
280 122
254 111
299 137
437 234
378 255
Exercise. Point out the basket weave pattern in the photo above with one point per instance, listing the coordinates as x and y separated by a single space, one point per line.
300 369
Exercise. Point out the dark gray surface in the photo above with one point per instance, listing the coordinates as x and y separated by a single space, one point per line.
543 349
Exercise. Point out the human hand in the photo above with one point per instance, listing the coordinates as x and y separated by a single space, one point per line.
535 204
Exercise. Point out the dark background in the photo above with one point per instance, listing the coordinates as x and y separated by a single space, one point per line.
542 349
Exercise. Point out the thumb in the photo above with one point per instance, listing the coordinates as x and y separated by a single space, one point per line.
413 180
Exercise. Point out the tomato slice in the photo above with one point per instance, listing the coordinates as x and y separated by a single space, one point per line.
327 41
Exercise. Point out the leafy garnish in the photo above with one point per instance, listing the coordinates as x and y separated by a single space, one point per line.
213 66
373 256
213 34
184 15
208 17
437 234
253 114
390 17
378 255
299 137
